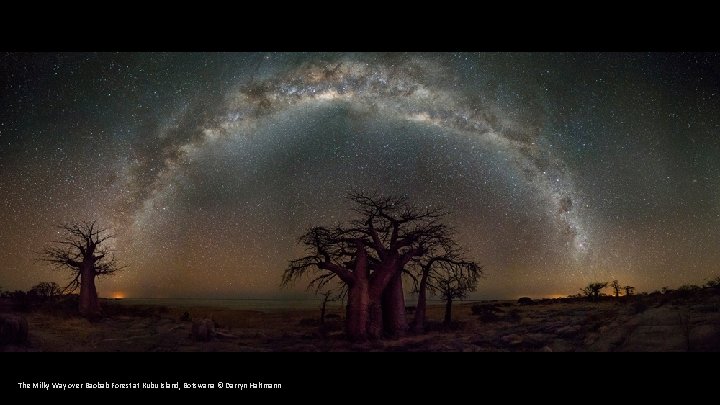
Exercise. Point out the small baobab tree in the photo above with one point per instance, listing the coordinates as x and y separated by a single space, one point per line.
592 290
329 295
453 281
83 251
629 290
443 259
615 285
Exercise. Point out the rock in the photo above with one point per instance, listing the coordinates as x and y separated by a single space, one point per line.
225 335
560 345
203 329
526 320
590 339
568 331
512 340
705 338
535 340
13 329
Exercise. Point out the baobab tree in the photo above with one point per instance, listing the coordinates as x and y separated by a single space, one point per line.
453 281
395 232
327 296
615 285
332 255
82 250
629 290
369 254
444 259
592 290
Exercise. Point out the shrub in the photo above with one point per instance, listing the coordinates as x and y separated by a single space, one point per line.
713 283
687 290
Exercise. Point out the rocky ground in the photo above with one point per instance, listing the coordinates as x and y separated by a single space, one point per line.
639 324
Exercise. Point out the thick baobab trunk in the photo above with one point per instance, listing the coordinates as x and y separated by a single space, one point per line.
448 312
89 303
375 315
357 312
420 311
393 307
381 278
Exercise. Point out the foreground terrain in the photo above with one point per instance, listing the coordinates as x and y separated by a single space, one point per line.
637 324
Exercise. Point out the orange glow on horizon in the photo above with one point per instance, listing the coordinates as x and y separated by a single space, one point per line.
118 295
554 296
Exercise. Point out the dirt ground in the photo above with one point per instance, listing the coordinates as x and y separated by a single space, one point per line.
640 324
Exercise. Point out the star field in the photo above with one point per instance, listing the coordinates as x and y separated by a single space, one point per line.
559 169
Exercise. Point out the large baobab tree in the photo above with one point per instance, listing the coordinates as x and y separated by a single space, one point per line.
615 285
82 250
369 255
331 254
395 232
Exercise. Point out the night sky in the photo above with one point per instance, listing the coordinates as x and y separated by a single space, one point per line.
559 169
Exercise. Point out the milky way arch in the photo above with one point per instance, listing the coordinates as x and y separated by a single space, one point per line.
395 92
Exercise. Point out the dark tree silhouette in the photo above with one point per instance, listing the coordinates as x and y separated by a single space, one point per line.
46 289
327 296
442 256
395 232
453 281
615 285
713 283
83 251
629 290
592 290
369 255
332 254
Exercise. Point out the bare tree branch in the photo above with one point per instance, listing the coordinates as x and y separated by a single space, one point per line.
82 251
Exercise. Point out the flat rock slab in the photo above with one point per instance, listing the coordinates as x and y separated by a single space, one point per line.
658 330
